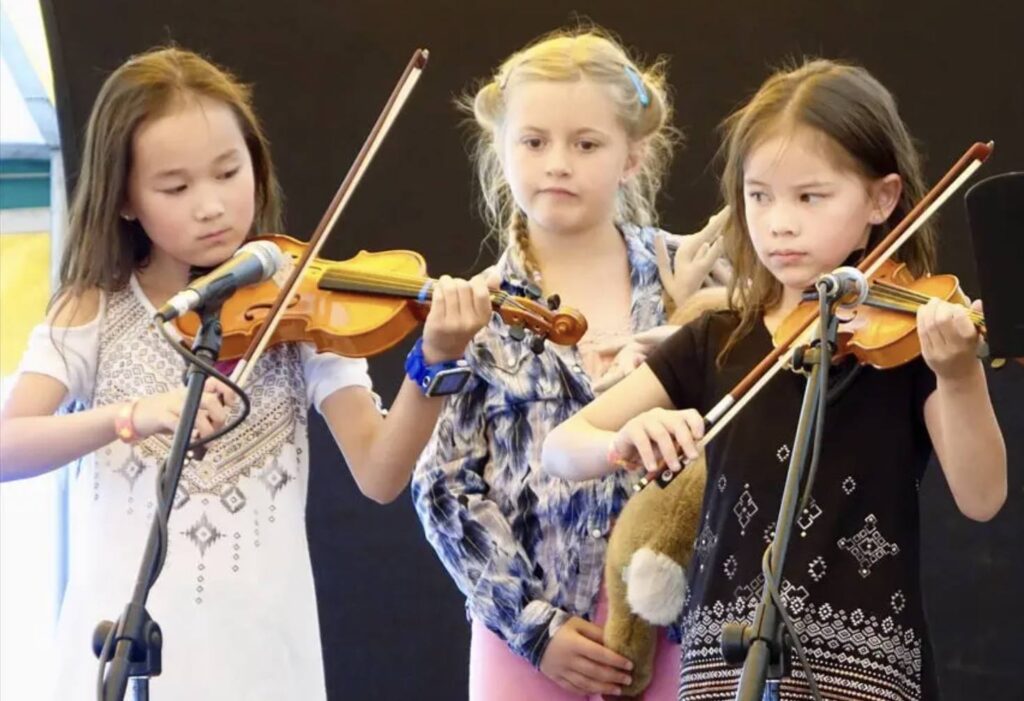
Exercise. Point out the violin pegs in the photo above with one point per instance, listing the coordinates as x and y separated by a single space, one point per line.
537 345
517 332
554 302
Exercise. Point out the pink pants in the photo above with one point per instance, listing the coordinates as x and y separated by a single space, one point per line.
498 674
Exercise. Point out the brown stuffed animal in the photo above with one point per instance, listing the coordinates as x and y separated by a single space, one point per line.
648 551
650 548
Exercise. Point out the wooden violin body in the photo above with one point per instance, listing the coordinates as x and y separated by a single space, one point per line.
360 307
882 331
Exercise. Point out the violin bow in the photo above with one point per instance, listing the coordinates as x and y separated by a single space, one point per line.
719 416
376 137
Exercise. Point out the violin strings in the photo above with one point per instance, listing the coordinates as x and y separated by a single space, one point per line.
406 285
902 303
912 300
403 285
902 299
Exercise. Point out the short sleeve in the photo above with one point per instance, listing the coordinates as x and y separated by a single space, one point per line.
326 373
679 362
67 354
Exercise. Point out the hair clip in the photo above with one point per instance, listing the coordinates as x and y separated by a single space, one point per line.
638 83
502 78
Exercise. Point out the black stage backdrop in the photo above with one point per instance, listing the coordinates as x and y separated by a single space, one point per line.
392 622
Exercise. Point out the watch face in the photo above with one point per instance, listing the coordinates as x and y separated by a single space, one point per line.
449 382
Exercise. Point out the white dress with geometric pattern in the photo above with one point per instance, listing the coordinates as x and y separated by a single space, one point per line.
235 599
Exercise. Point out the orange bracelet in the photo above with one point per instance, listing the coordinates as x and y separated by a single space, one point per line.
612 457
124 427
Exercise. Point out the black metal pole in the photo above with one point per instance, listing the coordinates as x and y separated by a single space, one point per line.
136 639
760 646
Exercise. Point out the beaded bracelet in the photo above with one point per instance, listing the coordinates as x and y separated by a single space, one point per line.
124 427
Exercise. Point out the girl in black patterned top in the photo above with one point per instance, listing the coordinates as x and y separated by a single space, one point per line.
818 166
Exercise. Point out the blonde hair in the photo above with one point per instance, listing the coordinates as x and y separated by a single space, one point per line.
103 249
643 105
864 133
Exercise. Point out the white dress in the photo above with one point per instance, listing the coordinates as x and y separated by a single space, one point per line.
235 600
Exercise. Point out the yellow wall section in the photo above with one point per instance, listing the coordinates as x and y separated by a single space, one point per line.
24 292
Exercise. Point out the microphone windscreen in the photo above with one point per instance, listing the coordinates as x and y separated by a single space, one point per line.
995 214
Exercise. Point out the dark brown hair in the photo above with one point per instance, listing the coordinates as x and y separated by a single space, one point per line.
864 133
103 249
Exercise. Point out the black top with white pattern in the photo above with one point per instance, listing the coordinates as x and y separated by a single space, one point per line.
851 576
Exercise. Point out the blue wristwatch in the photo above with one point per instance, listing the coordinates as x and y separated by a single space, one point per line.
439 379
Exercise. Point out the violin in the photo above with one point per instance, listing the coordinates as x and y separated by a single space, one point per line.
363 306
881 330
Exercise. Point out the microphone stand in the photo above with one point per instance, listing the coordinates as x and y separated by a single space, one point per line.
135 640
761 646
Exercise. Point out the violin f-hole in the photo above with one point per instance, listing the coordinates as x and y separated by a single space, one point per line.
250 313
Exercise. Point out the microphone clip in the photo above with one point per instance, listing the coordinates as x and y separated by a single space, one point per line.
844 287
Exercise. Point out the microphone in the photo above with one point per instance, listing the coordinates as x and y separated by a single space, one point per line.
847 285
254 262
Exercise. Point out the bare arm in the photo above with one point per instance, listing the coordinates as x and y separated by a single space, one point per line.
959 414
578 448
381 451
34 441
969 444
